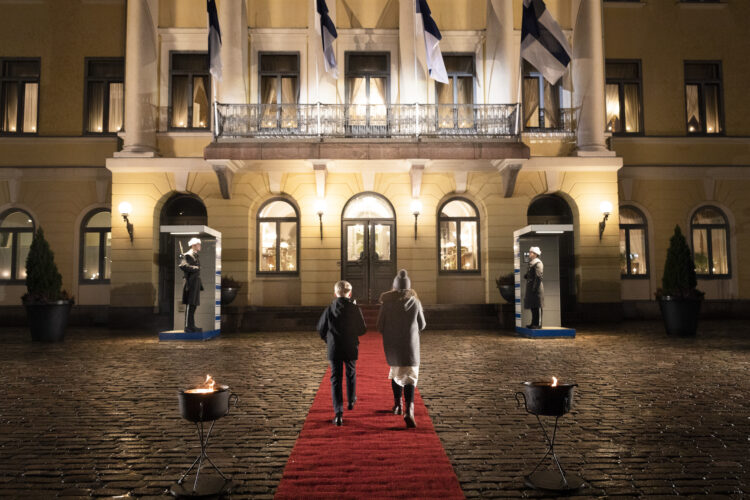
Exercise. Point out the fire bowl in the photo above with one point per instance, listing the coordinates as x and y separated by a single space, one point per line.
542 398
205 406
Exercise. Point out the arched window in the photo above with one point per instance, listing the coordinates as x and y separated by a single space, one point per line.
96 243
633 243
16 233
184 209
710 236
277 238
458 236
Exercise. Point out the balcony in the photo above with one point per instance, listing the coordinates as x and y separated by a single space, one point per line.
397 121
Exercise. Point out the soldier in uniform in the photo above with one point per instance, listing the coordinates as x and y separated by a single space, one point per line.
191 291
534 298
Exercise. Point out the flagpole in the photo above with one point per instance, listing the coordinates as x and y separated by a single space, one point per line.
216 108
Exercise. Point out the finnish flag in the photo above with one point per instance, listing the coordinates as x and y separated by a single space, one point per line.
327 36
214 40
543 43
432 37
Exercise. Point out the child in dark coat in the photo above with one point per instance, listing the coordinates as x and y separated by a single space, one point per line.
341 325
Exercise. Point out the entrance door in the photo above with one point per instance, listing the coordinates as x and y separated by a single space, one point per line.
368 258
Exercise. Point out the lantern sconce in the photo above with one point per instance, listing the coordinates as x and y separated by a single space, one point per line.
416 209
125 210
320 208
606 208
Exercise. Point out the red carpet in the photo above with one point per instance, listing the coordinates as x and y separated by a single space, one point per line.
373 455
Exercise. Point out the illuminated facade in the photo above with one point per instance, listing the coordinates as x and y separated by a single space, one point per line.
312 179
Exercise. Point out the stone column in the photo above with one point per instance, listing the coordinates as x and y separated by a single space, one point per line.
141 77
321 86
232 89
588 78
502 59
412 78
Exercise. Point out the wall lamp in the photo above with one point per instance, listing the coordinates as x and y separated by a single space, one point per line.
320 208
606 208
125 209
416 209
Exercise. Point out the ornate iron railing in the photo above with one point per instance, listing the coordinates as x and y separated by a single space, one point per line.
367 121
561 122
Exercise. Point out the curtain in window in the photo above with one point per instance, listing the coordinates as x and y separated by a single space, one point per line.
637 252
378 100
24 244
720 261
200 102
356 96
530 102
10 105
116 103
632 108
448 246
712 109
289 102
700 251
269 97
96 107
445 104
693 114
613 107
6 254
465 101
30 99
551 106
267 258
179 101
108 256
91 256
469 254
623 252
288 246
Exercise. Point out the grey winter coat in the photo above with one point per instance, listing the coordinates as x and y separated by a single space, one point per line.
534 297
400 320
191 267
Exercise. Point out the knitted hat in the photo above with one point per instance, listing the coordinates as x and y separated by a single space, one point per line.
401 281
194 241
536 250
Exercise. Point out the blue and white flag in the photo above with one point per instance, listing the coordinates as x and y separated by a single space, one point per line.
432 37
327 36
543 43
214 40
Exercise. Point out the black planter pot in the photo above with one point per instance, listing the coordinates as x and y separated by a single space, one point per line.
507 292
227 295
680 315
47 322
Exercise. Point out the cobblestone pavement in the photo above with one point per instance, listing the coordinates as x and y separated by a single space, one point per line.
653 416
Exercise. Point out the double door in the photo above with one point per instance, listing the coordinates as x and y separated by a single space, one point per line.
368 259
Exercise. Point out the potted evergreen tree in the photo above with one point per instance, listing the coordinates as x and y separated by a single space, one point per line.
506 285
229 289
679 299
47 304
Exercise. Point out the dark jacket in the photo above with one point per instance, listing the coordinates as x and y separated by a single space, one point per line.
341 325
400 320
191 267
534 296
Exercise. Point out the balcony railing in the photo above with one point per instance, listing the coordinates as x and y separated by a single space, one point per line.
367 121
560 123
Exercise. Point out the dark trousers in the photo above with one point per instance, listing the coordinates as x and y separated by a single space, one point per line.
337 375
535 316
189 316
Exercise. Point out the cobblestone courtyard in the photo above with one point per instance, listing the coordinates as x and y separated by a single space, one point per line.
653 416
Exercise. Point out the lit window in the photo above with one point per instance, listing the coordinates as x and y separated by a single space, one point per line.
16 233
367 94
458 236
456 98
96 245
703 98
633 243
189 90
623 97
19 95
279 90
710 235
105 95
541 100
277 237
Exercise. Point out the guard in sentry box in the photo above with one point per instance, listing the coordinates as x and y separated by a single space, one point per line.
191 291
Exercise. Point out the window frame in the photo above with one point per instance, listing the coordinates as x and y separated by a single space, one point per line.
191 76
627 228
278 221
107 81
102 246
455 75
701 96
534 73
348 73
709 242
20 81
621 82
279 76
14 280
440 218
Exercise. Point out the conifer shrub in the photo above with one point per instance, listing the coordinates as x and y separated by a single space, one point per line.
679 278
43 280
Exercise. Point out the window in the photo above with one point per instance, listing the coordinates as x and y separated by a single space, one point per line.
459 236
703 98
710 235
367 93
189 91
456 98
96 244
105 95
277 237
16 233
623 97
541 101
633 243
279 90
19 94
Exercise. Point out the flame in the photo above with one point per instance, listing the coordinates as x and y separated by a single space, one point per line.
208 386
554 381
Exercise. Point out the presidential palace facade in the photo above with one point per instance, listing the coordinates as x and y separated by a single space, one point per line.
108 104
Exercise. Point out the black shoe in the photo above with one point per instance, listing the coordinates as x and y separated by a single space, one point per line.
530 327
409 417
535 327
351 403
397 409
338 420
